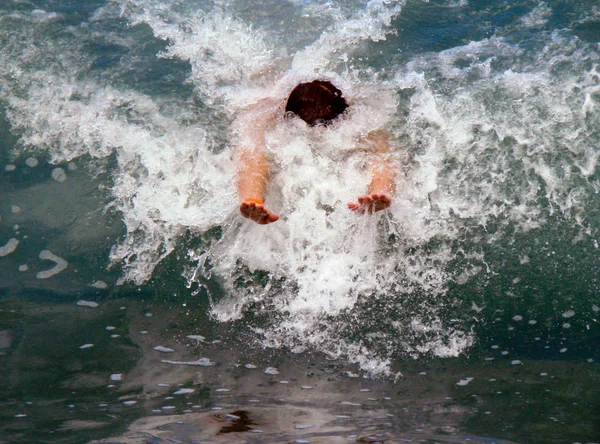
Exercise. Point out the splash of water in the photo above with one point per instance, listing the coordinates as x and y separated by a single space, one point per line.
493 133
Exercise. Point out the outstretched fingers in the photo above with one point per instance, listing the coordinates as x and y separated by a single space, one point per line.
255 210
371 203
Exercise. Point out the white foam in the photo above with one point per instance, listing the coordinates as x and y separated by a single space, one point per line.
201 362
101 285
537 17
61 265
465 381
91 304
169 182
9 247
472 115
196 337
184 391
163 349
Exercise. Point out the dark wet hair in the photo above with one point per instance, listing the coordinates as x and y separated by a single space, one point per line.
316 102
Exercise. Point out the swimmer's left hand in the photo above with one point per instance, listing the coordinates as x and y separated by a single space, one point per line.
371 203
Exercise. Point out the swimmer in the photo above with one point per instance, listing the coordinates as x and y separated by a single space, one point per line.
317 103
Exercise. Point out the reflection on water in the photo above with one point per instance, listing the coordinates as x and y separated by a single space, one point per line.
131 369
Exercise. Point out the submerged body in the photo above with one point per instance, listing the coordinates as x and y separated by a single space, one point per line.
317 103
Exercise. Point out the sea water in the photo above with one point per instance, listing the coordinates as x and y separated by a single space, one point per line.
120 121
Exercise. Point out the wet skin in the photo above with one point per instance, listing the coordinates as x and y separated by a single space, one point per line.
258 212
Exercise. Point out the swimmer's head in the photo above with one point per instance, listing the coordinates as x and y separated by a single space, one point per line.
316 102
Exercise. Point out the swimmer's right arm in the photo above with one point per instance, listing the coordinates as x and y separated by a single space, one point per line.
252 160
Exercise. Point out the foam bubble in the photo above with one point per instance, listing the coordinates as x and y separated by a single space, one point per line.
101 285
196 337
61 265
201 362
31 162
184 391
9 247
59 174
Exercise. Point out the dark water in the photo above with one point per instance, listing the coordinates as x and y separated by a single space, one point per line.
136 306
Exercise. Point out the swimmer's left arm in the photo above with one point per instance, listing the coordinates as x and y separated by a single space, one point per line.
383 175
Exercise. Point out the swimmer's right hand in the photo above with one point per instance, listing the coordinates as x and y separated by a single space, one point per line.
255 209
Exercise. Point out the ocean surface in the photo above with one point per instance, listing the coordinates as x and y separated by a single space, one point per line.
138 306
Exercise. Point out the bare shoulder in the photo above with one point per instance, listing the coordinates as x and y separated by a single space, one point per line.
264 105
